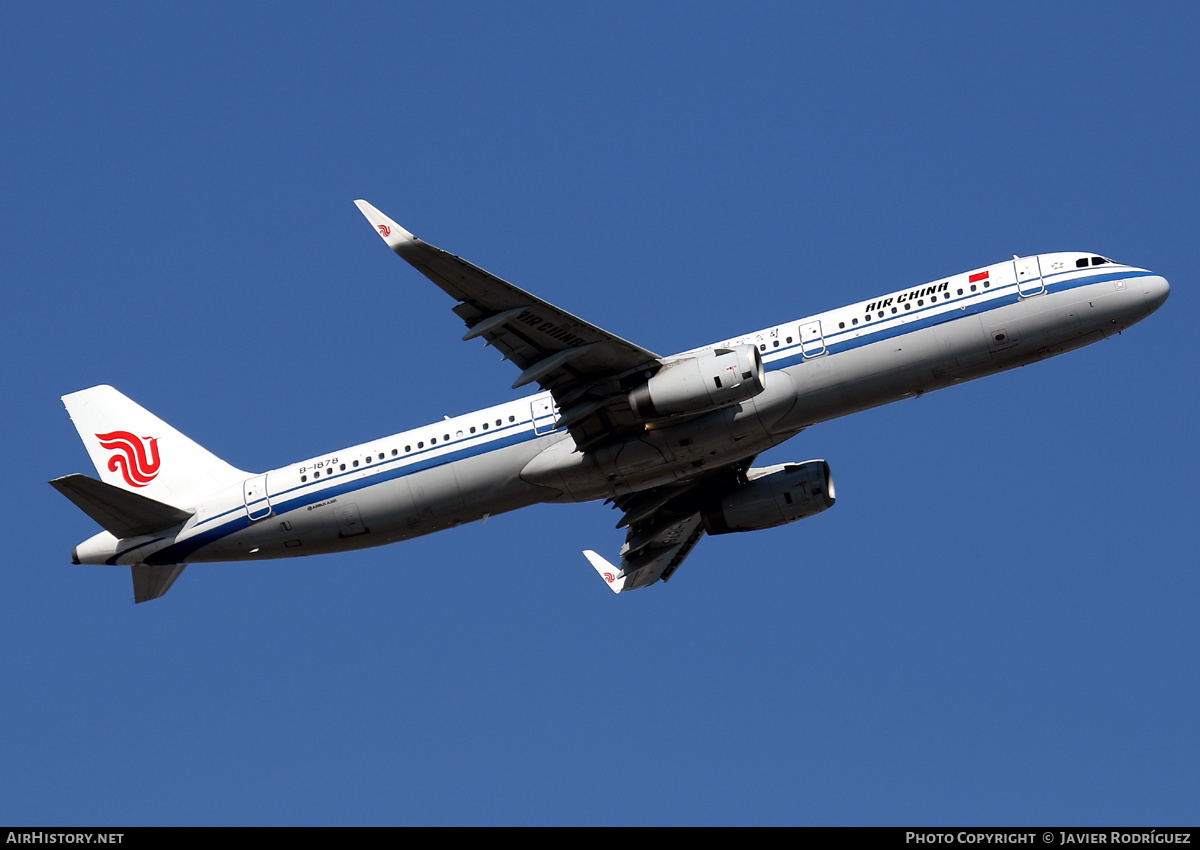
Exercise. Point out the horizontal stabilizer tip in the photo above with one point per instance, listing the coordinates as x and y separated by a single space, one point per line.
393 234
614 577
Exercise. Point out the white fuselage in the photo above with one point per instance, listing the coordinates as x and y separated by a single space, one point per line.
505 457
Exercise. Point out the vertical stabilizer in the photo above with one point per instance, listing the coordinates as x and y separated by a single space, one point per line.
135 450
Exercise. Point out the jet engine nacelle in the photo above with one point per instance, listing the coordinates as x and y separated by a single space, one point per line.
712 380
774 495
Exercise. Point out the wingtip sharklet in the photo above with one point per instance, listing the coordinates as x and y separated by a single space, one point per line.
611 575
393 234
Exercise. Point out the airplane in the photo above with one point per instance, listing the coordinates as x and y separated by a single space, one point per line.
670 441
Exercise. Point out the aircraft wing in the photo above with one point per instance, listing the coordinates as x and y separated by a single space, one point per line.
585 368
662 549
665 524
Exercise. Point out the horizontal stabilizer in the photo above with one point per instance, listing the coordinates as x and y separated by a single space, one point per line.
151 581
119 512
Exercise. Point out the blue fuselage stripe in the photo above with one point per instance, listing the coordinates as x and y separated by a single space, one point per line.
336 485
899 324
843 339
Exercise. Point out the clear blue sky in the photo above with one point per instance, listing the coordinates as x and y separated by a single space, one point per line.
997 622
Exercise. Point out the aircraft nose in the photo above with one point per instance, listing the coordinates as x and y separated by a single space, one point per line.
1156 289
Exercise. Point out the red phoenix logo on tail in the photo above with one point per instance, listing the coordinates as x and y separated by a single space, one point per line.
130 456
384 230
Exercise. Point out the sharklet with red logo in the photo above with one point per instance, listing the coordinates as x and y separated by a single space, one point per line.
611 575
393 234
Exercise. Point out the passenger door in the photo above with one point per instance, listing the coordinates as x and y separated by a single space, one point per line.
1029 276
254 491
812 341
